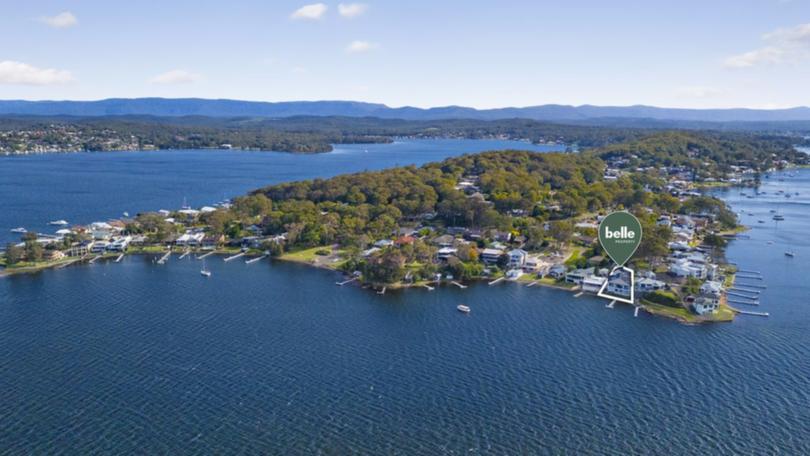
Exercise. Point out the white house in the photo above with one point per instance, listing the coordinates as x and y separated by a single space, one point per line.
446 252
618 286
646 285
704 305
557 271
578 275
517 258
592 283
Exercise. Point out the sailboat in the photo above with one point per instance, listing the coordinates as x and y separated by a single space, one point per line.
204 271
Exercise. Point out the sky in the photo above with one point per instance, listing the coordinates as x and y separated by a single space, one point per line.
484 54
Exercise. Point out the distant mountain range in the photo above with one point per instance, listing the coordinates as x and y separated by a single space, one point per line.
236 108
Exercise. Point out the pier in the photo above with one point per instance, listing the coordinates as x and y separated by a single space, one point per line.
749 277
745 290
238 255
751 285
579 294
206 255
612 303
745 303
748 312
635 314
165 257
340 284
185 254
532 284
120 257
253 260
428 287
93 260
382 292
499 279
459 285
743 295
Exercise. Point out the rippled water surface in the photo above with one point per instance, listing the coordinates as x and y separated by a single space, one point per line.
274 358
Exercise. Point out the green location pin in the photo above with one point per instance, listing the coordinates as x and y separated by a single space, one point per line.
620 236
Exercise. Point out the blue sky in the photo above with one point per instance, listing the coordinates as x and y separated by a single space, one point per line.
718 53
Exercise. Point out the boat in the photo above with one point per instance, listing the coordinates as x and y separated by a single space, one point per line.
463 309
204 271
778 217
790 254
19 230
58 223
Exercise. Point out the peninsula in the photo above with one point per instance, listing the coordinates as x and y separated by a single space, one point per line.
502 215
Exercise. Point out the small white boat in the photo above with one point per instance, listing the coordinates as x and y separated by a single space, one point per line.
463 309
204 271
126 214
19 230
790 254
778 217
58 223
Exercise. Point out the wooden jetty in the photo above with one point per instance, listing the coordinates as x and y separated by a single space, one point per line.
340 284
202 257
253 260
459 285
120 257
233 257
499 279
165 257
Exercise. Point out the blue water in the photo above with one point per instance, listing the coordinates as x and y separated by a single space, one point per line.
273 358
86 187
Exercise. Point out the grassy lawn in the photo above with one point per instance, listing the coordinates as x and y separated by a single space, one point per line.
723 314
309 256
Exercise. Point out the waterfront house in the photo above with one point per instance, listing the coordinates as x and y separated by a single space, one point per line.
517 257
532 264
190 240
557 271
646 285
490 256
592 283
578 275
703 305
710 288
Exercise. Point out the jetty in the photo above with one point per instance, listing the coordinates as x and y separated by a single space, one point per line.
428 287
459 285
233 257
744 271
206 255
340 284
93 260
532 284
748 312
612 303
745 290
579 294
752 277
499 279
185 254
751 285
165 257
253 260
382 292
743 295
120 257
746 303
635 314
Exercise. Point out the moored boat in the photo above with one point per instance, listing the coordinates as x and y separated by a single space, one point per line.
19 230
462 308
58 223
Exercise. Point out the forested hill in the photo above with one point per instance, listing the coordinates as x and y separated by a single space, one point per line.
236 108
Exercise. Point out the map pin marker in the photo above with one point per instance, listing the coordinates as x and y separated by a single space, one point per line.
620 236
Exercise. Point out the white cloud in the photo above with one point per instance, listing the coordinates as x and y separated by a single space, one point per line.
359 46
698 92
12 72
350 10
783 45
310 12
175 77
62 20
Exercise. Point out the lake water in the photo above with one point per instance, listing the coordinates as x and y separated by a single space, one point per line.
86 187
274 358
